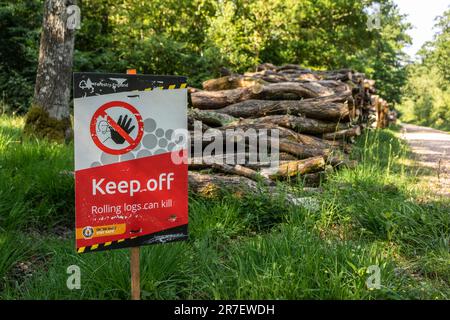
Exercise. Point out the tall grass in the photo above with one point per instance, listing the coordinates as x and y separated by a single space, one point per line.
253 246
34 190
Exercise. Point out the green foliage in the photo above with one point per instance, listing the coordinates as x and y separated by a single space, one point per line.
35 190
13 250
437 52
384 59
426 98
157 37
19 37
197 38
317 34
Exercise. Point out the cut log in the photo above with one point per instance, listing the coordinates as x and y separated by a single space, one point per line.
231 82
210 118
283 133
330 108
273 78
299 145
337 87
302 151
243 171
295 168
297 73
299 76
315 141
299 124
219 99
211 186
294 91
343 134
287 149
252 161
275 91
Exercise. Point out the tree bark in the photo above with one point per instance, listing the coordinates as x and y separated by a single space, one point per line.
242 171
302 151
209 185
283 133
332 108
299 124
343 134
275 91
210 118
231 82
49 115
295 168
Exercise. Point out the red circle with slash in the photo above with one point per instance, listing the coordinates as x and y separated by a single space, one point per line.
102 112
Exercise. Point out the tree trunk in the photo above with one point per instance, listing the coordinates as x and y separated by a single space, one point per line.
49 116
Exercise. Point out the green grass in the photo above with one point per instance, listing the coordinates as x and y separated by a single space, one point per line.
249 247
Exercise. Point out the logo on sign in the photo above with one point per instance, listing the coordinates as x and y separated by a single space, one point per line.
88 232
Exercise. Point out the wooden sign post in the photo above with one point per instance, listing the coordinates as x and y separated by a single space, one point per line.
135 273
135 255
130 187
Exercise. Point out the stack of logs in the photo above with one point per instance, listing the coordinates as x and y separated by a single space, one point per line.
383 116
318 114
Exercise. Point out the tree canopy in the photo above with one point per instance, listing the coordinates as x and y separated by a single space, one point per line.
426 97
197 38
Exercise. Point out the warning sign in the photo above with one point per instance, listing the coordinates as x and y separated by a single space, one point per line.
129 192
117 127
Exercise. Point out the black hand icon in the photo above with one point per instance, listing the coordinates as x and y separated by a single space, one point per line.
122 122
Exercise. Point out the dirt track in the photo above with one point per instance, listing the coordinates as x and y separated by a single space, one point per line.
432 150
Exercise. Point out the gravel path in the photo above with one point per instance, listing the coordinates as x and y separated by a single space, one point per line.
432 150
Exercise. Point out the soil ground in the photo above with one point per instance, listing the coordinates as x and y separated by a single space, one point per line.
432 150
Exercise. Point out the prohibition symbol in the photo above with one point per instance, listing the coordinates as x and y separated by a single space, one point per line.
117 127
